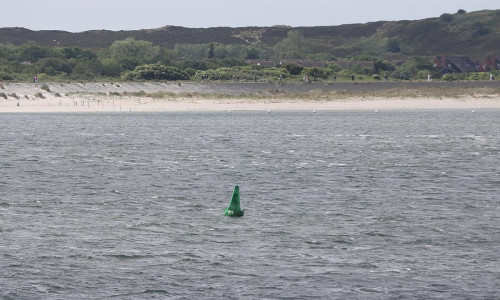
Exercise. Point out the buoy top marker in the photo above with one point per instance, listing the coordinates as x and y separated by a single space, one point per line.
234 209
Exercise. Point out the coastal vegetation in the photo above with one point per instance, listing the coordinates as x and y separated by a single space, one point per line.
376 51
139 60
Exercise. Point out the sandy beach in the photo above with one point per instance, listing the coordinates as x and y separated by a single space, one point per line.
98 97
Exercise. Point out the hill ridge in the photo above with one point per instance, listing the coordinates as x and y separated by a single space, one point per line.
473 34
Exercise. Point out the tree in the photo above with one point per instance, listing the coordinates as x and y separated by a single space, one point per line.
316 72
110 67
293 69
195 64
7 52
293 46
78 53
446 18
142 51
461 12
233 51
191 51
393 46
83 71
252 53
31 52
54 66
211 51
410 68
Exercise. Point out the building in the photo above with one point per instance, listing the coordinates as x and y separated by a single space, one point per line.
490 63
454 64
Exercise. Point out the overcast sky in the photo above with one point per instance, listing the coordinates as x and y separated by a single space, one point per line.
82 15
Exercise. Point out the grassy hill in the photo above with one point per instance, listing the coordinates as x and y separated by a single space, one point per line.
474 34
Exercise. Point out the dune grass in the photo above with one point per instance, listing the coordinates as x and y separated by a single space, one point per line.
322 94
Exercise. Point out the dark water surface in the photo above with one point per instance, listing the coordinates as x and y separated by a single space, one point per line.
339 205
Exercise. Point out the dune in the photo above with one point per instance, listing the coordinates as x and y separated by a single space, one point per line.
140 97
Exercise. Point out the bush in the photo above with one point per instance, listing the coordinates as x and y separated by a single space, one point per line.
413 68
446 18
334 67
196 65
3 95
247 73
346 73
376 76
293 69
45 88
190 71
393 46
474 77
5 76
14 95
110 67
449 77
39 95
479 76
316 72
156 72
82 71
54 66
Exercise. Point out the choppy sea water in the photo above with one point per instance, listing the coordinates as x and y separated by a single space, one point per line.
339 205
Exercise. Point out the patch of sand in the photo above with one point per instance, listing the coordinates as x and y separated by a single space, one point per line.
95 97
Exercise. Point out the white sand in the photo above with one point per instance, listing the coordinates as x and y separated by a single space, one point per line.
107 104
90 102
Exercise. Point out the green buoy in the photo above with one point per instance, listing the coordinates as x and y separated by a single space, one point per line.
234 209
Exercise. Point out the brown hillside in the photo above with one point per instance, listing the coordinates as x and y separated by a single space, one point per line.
474 34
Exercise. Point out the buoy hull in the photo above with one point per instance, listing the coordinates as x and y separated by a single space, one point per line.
234 213
234 210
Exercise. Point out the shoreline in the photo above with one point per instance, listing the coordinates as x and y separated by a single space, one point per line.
96 104
172 97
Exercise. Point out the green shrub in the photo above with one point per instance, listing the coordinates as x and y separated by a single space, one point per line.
446 18
376 76
345 73
393 46
3 95
156 72
294 69
413 68
5 76
39 95
135 94
449 77
334 67
245 73
190 71
45 87
316 72
14 95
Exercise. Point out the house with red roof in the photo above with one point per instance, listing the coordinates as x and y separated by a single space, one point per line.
454 64
490 63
